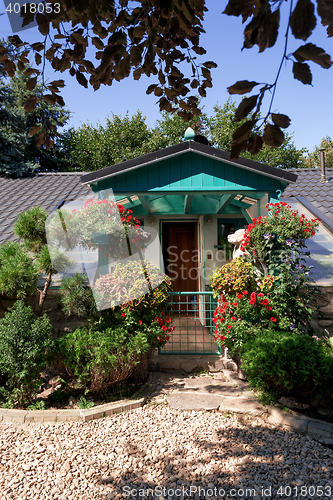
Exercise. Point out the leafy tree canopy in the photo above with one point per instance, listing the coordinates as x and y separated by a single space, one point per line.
313 159
92 147
20 151
157 38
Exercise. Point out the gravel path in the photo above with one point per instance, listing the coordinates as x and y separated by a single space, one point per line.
158 447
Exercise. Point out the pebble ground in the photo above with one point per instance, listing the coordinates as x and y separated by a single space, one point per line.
157 451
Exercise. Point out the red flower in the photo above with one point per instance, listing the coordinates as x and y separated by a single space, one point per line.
233 318
168 320
265 302
123 315
229 326
260 294
167 338
235 304
273 319
239 296
164 327
222 337
245 292
140 322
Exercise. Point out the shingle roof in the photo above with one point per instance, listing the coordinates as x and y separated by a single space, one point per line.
44 189
308 184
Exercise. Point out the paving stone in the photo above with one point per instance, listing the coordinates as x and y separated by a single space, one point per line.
241 405
193 401
320 428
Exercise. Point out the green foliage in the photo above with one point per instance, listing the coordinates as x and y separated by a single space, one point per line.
76 297
92 147
38 405
84 404
222 127
288 363
98 357
21 153
170 130
30 227
18 273
313 159
128 284
277 296
279 235
233 278
24 342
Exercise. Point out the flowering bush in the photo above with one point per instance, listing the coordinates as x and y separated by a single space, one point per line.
234 277
282 230
279 297
155 326
132 280
103 222
239 319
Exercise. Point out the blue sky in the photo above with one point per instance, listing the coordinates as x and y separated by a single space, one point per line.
309 107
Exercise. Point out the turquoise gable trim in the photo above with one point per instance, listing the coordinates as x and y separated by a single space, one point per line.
189 172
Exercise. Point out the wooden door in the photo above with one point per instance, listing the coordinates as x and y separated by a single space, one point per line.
181 255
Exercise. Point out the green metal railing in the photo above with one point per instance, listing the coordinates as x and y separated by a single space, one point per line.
192 314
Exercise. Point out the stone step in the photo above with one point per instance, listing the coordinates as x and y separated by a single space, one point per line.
190 363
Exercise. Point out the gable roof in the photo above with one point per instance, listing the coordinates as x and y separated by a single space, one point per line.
308 185
184 147
48 190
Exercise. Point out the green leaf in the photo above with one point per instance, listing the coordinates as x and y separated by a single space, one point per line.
245 107
242 87
303 20
302 72
310 52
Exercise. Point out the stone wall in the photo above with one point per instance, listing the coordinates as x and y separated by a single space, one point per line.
51 307
322 321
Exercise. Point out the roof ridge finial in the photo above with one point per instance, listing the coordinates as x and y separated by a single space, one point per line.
189 134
